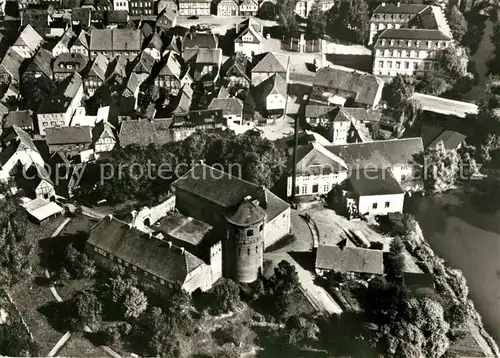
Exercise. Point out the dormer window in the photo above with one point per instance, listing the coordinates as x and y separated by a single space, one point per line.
383 42
409 43
392 42
417 43
429 44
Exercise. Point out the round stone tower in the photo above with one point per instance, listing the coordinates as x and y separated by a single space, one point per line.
243 248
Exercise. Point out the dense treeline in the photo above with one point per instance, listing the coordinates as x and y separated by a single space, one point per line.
139 173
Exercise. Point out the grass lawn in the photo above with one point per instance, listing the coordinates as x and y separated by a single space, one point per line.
29 302
300 304
80 346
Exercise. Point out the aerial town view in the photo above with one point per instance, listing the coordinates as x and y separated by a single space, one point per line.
250 178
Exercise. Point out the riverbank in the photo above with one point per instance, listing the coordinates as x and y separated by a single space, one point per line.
451 286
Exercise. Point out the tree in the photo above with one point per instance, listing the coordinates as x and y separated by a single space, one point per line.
17 249
79 263
433 83
454 60
285 279
248 107
35 90
354 15
457 315
441 168
64 275
88 308
400 90
286 17
300 330
135 303
395 259
148 93
225 296
316 22
457 22
15 341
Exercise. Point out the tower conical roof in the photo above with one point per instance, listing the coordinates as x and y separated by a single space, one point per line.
247 213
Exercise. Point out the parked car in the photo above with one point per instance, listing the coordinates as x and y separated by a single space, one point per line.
193 17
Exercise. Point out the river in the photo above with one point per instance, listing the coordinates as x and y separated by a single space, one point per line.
464 229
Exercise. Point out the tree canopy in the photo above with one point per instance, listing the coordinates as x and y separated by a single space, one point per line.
16 249
316 22
457 22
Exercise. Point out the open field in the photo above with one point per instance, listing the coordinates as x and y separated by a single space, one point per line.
79 346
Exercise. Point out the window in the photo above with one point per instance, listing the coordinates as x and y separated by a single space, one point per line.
250 232
409 43
248 251
134 268
389 64
257 249
261 227
387 204
374 206
426 65
381 64
126 264
415 65
162 282
315 188
297 189
326 188
407 65
304 189
398 64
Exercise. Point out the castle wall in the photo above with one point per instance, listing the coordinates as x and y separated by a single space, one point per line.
277 228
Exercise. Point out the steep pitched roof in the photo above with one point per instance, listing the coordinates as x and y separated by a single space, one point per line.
391 8
170 66
350 259
315 159
144 133
66 38
271 62
103 129
144 64
18 118
379 154
172 45
60 99
450 139
155 42
77 61
99 67
413 34
139 249
364 86
246 213
374 182
42 62
200 40
256 36
11 63
68 135
236 65
117 16
316 111
229 106
228 190
273 85
126 39
29 38
82 40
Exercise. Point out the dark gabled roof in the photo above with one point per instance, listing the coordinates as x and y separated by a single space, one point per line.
450 139
367 182
103 129
42 62
363 115
20 135
59 100
200 40
399 9
166 14
139 249
173 45
144 63
197 118
20 119
350 259
98 16
256 36
228 190
236 65
270 62
68 135
146 30
272 85
155 42
247 213
77 60
117 16
118 67
313 158
82 40
317 111
66 38
11 63
81 15
127 39
364 86
379 154
413 34
145 132
229 106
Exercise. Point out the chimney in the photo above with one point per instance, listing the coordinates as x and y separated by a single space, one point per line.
248 197
150 235
398 4
134 214
170 244
383 4
130 226
110 216
182 251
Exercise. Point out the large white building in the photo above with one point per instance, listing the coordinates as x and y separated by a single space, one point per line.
408 38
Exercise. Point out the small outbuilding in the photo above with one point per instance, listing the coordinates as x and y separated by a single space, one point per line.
41 209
